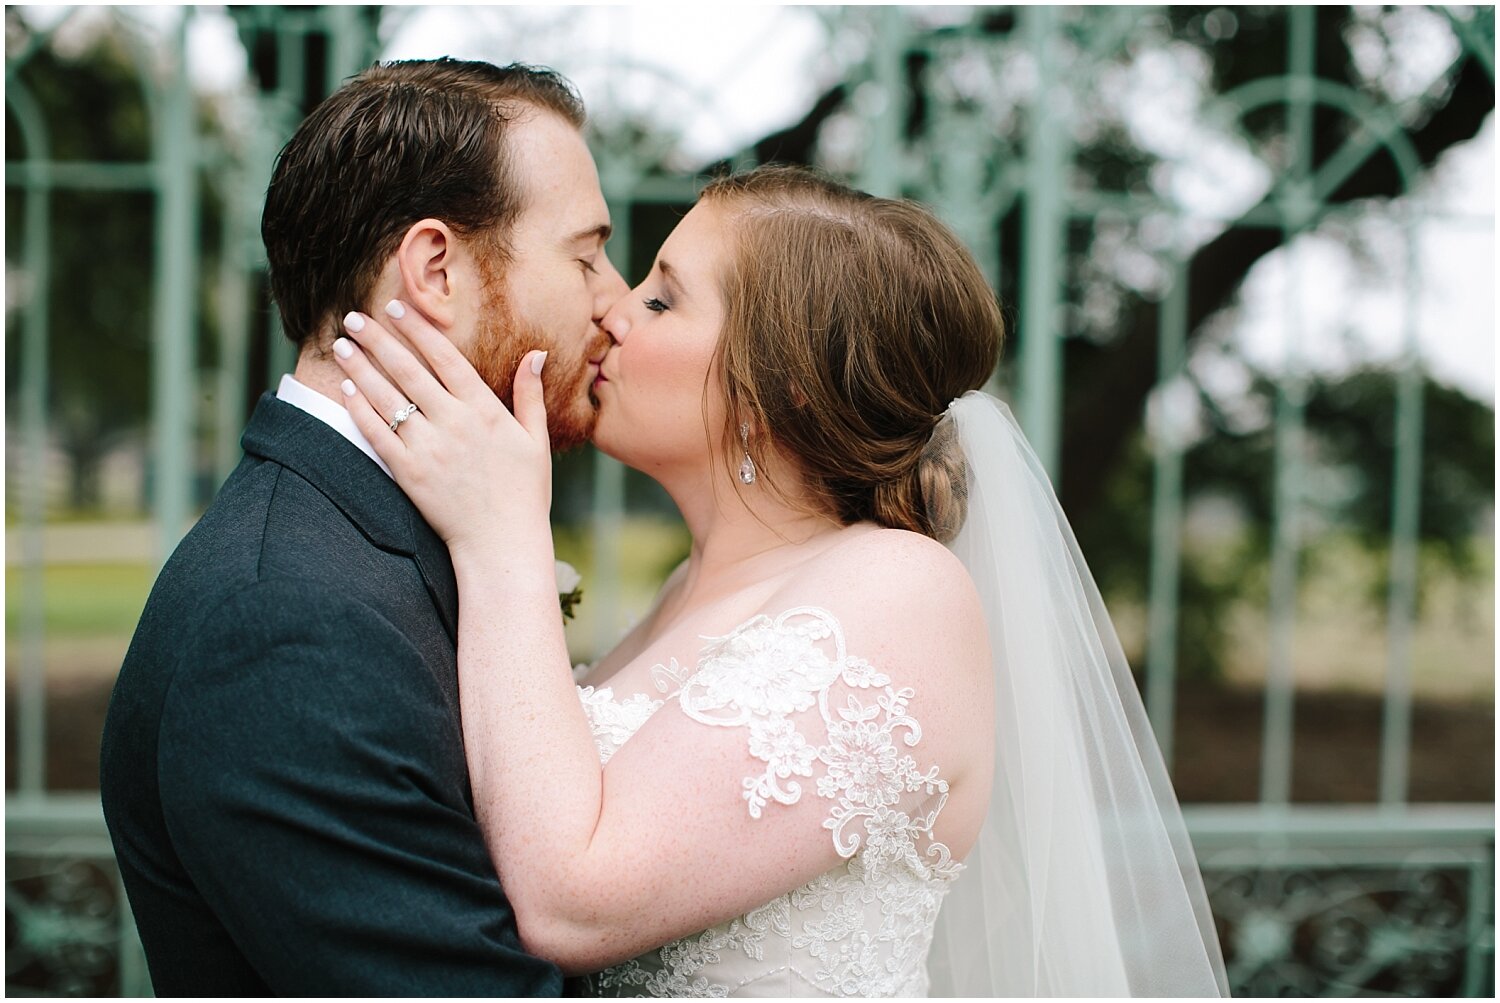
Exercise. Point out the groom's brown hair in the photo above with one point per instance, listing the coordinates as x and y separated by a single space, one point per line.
401 142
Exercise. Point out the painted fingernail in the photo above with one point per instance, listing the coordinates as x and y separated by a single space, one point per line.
348 388
353 322
537 362
343 347
395 309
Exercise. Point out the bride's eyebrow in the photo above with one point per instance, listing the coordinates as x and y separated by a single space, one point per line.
669 275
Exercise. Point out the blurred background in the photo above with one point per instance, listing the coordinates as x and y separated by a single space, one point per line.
1247 255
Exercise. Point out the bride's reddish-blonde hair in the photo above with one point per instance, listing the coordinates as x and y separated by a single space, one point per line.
851 322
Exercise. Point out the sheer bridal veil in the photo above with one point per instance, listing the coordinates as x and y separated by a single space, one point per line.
1083 882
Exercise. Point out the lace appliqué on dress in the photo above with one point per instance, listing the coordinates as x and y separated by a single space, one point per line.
769 669
862 929
613 721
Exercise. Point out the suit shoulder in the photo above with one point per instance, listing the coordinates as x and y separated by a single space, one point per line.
281 659
288 611
223 547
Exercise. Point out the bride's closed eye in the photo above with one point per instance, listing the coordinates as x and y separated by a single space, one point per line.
656 305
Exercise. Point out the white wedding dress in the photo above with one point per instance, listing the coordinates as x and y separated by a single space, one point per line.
829 725
1083 881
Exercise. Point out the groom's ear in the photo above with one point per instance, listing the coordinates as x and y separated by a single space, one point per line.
434 265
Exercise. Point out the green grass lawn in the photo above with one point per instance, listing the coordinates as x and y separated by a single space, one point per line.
1340 632
89 601
83 600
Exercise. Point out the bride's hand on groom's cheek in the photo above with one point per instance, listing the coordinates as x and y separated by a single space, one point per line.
476 472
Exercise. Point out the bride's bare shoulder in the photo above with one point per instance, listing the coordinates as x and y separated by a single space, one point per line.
896 592
907 607
891 563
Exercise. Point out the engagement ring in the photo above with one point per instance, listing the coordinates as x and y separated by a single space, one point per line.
402 415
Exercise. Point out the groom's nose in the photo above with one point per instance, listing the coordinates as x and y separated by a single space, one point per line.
609 286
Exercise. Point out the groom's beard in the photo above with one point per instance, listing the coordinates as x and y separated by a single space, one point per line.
501 341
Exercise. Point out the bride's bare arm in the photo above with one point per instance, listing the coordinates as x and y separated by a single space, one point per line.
731 795
482 478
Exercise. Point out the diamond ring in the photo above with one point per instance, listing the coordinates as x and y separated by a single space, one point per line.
401 415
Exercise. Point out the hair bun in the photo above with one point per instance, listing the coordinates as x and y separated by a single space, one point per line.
942 475
931 495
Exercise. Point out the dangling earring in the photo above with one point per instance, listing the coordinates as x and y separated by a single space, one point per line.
747 468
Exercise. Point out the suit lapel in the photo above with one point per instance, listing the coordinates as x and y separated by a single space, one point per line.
436 565
370 499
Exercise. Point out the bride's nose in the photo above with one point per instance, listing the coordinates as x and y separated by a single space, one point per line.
615 323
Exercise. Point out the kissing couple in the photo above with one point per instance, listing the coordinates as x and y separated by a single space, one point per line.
876 737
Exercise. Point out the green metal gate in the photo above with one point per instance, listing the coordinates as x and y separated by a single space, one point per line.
1310 899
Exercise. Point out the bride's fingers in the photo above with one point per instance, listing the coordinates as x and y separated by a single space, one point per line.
455 371
374 402
528 397
389 446
408 374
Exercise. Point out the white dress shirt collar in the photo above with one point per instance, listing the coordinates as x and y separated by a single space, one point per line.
330 413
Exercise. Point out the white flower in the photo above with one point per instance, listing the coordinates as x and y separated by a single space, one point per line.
567 578
762 673
863 763
778 743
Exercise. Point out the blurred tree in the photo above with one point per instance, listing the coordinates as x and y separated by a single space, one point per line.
100 317
102 250
100 337
1351 423
1114 266
1351 441
1111 357
87 80
1108 381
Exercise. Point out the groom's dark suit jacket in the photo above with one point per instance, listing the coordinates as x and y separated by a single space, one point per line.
283 767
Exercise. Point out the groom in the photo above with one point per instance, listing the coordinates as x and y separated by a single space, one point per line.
283 768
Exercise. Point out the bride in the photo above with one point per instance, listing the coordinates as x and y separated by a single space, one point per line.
830 723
